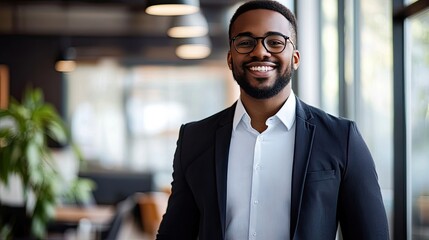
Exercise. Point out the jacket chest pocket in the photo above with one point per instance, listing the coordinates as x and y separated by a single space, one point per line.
315 176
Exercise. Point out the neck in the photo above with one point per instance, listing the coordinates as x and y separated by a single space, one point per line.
260 110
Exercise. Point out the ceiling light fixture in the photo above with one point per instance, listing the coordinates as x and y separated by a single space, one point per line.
186 26
194 48
172 7
66 60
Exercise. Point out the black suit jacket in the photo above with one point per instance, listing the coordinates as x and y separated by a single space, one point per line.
333 180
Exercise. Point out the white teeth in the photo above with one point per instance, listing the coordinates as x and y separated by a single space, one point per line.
261 68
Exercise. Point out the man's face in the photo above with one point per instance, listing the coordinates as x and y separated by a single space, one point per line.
262 74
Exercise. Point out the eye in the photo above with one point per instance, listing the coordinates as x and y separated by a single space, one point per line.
244 42
275 42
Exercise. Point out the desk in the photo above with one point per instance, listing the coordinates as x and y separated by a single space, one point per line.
81 222
98 215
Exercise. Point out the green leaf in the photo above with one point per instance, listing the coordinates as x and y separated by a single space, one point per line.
80 190
5 231
4 113
33 155
5 165
38 139
57 132
16 153
38 227
5 135
77 152
49 209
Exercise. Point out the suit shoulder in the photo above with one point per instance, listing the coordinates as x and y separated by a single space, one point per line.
321 117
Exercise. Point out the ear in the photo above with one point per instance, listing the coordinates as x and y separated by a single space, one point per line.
296 59
229 60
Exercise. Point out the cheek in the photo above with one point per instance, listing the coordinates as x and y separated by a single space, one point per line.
288 64
234 65
285 66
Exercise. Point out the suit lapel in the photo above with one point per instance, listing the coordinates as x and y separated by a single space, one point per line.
303 145
222 143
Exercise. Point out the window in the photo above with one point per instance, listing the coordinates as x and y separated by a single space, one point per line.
329 57
128 118
417 105
411 66
356 80
374 90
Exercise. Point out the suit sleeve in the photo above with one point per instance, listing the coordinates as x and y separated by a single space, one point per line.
361 211
181 218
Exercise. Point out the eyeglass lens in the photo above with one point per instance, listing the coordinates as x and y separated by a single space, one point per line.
273 43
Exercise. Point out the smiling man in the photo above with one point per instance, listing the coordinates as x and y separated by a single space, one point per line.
271 166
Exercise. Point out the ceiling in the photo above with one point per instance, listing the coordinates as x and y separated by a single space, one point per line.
109 27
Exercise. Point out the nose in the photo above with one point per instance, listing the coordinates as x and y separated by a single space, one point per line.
260 51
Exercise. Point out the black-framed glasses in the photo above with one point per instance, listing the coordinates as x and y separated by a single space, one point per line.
273 43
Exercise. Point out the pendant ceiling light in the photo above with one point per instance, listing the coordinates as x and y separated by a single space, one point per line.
172 7
66 60
186 26
194 48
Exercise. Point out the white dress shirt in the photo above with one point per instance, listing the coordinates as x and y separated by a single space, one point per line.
260 176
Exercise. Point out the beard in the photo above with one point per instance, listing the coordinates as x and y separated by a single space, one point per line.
280 83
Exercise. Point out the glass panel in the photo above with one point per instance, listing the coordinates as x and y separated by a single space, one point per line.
374 89
129 118
329 56
351 55
95 109
417 50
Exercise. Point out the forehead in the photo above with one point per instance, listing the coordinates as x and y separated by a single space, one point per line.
259 22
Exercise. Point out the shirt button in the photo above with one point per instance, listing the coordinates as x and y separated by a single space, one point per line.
254 234
256 202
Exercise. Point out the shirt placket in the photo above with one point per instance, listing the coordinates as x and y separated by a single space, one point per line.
254 199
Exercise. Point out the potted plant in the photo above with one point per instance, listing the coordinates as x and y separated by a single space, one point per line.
25 128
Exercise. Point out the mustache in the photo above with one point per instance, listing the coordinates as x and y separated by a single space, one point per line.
256 59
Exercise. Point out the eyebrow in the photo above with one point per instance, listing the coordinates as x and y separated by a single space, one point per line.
251 35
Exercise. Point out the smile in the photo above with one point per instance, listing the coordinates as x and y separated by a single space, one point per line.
261 68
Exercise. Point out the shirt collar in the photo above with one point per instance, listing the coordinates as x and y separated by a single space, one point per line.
240 111
286 114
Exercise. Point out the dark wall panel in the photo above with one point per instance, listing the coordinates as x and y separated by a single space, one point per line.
31 60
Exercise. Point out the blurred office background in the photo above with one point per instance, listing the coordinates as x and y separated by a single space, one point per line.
132 84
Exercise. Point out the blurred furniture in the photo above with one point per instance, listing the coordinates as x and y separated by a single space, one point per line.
83 223
4 87
423 209
136 217
99 215
420 228
113 187
123 209
102 222
152 208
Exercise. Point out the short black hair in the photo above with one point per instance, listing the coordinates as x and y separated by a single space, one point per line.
268 5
